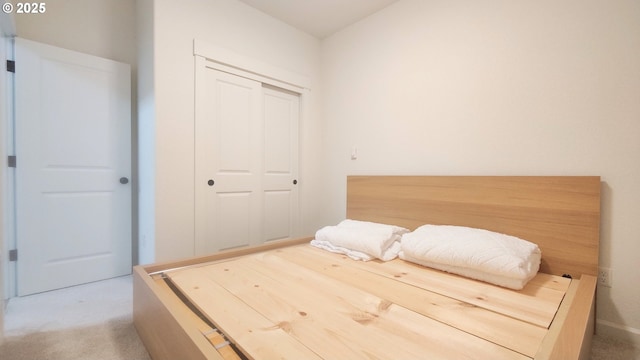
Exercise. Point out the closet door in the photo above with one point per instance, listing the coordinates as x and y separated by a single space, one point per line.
228 162
281 111
246 162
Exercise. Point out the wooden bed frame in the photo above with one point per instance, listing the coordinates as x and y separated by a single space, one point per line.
560 214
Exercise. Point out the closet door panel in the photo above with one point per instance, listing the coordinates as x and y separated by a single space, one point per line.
281 111
228 167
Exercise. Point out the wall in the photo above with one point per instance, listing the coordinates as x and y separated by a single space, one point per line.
248 32
146 129
498 88
104 28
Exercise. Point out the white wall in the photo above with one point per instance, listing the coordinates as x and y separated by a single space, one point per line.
248 32
498 88
104 28
146 130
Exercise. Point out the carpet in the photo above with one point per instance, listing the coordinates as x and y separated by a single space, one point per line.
86 322
115 339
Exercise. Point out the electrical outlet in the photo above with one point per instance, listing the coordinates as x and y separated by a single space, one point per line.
604 277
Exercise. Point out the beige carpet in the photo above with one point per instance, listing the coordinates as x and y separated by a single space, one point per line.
87 322
613 349
116 339
93 322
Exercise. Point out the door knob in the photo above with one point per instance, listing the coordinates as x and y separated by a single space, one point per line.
295 181
211 182
124 180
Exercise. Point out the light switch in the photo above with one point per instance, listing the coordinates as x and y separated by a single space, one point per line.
354 153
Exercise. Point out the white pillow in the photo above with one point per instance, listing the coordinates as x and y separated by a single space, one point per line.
501 259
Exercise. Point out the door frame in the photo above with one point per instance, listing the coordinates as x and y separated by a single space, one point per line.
8 281
207 56
225 60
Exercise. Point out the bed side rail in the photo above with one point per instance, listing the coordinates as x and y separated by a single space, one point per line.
167 332
570 334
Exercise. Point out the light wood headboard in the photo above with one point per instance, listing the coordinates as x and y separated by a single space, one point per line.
559 213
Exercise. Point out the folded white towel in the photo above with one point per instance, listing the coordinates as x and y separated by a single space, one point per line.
355 255
480 254
368 225
373 239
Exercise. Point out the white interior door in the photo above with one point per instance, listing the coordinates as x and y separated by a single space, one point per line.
281 112
246 162
73 147
228 129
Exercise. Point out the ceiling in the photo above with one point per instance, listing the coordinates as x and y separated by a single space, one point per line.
319 18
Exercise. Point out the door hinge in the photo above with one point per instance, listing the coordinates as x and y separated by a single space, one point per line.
11 66
12 161
13 255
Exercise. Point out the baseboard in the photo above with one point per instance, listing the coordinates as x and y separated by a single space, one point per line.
621 332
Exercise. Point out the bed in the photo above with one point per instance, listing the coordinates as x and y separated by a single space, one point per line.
289 300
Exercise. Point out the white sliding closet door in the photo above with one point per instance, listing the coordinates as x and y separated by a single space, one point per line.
246 162
280 115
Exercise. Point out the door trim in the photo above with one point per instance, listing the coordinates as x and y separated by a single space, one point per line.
7 175
228 61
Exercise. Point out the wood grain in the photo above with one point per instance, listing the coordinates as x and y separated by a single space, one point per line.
534 304
284 293
570 336
165 324
221 345
462 303
559 213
